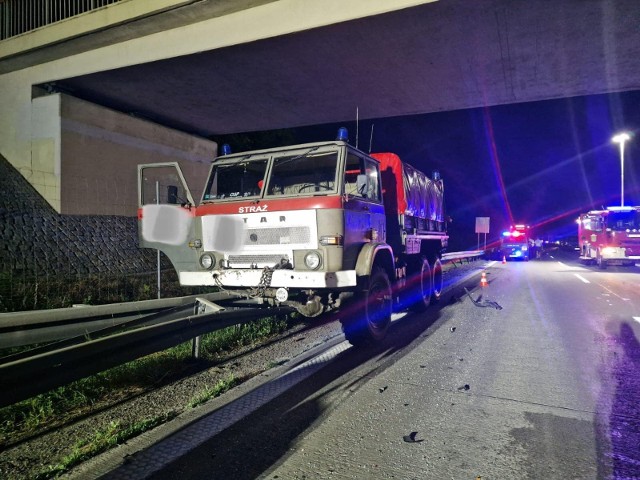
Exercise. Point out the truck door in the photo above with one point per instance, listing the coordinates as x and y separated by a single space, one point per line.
165 208
363 210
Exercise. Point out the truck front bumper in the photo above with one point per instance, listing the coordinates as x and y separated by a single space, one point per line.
617 254
250 278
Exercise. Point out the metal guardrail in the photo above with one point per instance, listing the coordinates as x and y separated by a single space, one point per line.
26 377
36 371
447 257
21 16
39 326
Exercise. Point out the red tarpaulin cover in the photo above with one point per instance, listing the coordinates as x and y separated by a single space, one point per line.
409 191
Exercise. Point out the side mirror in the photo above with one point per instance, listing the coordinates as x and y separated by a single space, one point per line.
172 194
362 184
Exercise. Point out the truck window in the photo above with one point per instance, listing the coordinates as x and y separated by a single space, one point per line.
594 223
236 180
312 174
355 166
166 182
621 221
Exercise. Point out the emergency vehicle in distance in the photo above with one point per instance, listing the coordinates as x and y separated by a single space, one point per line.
514 244
307 226
610 236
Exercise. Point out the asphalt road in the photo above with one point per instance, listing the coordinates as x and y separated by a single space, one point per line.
547 387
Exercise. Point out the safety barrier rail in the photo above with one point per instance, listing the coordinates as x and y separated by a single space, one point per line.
26 328
133 330
40 370
20 16
470 254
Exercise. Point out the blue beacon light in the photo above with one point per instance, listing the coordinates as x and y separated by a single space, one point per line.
343 134
226 149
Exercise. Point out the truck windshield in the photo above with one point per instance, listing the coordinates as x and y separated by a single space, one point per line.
235 180
621 221
309 174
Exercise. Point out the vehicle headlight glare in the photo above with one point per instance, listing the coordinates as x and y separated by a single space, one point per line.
207 261
312 260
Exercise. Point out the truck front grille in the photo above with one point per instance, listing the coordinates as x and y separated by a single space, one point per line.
260 261
277 236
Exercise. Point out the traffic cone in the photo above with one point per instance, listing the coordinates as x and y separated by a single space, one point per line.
483 280
504 259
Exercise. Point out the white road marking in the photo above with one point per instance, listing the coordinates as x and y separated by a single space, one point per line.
637 319
581 278
614 293
572 267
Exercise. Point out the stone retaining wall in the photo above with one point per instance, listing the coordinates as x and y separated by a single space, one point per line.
35 240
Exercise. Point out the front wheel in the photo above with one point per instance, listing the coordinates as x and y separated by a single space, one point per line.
370 323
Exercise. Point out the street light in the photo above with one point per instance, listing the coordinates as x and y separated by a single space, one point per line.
620 138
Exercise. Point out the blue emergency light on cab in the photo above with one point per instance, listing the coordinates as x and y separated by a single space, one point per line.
343 135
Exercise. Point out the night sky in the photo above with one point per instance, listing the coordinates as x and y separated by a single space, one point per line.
539 163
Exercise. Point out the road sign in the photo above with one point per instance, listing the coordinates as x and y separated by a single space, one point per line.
482 224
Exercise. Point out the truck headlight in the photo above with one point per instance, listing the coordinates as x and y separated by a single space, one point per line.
207 261
608 251
312 260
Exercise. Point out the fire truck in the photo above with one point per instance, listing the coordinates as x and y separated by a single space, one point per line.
610 236
515 243
315 227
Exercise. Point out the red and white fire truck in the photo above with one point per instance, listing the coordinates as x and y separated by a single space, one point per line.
610 236
308 226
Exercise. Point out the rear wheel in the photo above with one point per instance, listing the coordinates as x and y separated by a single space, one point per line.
421 285
371 322
438 280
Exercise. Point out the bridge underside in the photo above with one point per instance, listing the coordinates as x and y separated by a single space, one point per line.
153 85
439 56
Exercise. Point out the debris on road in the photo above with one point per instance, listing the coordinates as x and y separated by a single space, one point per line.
465 387
411 438
483 303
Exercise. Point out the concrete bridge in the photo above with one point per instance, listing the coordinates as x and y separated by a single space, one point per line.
84 99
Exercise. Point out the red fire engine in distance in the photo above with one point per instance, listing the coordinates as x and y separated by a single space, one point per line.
610 236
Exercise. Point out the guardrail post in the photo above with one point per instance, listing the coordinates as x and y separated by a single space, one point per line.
195 347
201 307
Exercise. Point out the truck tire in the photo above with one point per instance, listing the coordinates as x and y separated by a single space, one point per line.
421 285
438 281
370 322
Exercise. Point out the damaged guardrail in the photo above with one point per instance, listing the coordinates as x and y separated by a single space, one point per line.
40 326
23 378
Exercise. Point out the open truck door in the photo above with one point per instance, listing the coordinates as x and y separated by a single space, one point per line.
166 209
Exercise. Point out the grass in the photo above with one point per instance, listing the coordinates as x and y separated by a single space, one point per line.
42 411
211 392
102 440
